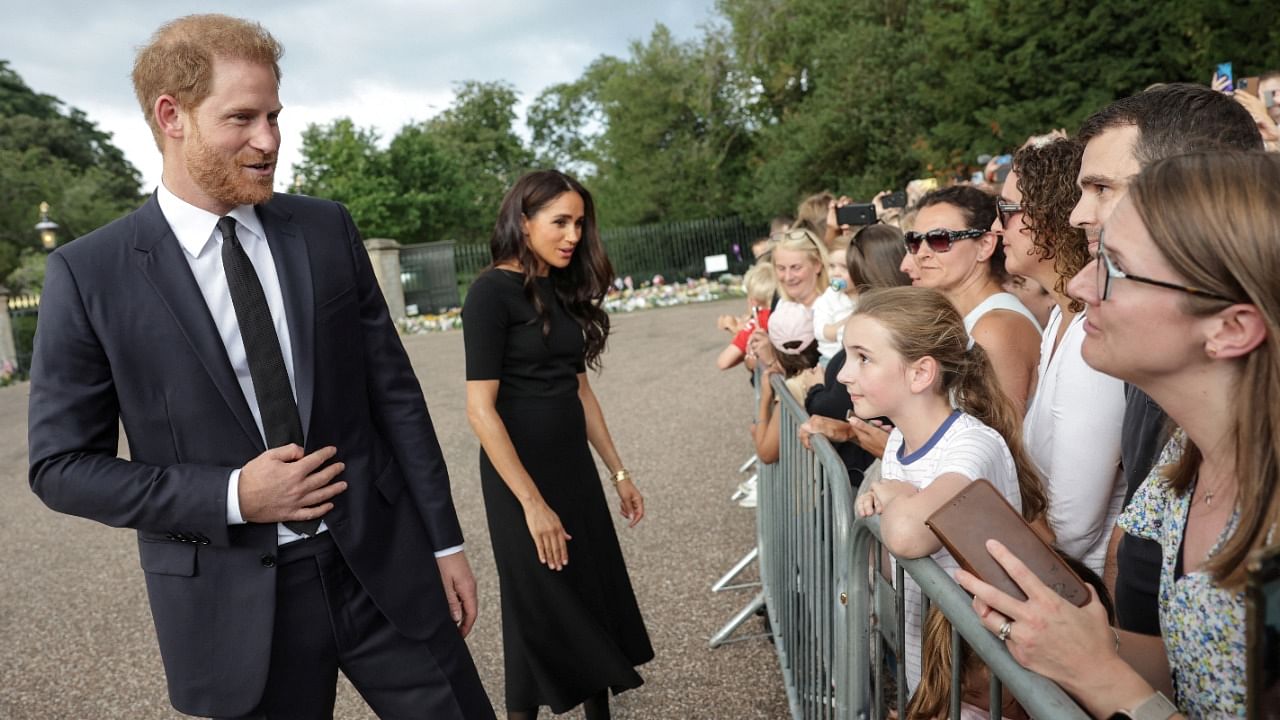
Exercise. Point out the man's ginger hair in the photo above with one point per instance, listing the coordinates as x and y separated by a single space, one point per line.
180 57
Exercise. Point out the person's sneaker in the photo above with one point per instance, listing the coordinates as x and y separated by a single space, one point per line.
749 501
743 488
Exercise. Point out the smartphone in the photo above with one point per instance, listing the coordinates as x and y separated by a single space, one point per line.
894 200
856 214
1262 633
1224 70
1248 85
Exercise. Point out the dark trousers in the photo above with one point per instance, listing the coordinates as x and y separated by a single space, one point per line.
326 621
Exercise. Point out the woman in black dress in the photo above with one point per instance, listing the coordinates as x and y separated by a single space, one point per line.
532 324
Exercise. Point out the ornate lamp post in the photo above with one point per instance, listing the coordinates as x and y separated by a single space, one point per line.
47 228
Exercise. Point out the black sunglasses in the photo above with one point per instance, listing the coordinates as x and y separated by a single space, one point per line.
939 240
1006 210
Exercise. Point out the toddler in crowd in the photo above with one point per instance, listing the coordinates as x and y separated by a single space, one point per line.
909 358
835 304
761 285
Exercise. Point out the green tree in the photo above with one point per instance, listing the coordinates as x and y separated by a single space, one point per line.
52 154
436 180
659 136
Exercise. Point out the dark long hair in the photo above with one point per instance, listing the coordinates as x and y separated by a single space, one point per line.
581 287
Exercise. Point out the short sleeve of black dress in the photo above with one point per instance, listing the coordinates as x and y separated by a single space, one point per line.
504 341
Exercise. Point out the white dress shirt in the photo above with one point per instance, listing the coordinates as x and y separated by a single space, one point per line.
197 232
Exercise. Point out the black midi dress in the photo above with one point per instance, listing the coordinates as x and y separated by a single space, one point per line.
570 634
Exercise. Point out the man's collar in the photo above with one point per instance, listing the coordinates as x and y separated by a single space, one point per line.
194 227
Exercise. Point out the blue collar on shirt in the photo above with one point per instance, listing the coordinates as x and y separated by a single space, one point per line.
933 440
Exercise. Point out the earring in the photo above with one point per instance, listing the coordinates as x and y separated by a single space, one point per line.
1211 351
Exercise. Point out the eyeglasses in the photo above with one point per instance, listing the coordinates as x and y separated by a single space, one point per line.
796 234
1006 210
939 240
1107 271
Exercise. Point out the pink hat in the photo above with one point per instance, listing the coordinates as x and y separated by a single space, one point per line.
791 327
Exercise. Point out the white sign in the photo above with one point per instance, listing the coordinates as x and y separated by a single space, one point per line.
716 263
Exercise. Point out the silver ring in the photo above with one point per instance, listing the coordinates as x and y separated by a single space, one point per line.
1005 629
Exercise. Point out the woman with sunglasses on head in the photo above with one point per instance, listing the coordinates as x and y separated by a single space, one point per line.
956 253
532 325
1074 408
800 262
1182 301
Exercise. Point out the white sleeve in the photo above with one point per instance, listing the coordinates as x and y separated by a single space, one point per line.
975 452
1084 461
823 315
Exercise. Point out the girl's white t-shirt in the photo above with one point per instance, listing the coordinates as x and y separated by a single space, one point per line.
961 445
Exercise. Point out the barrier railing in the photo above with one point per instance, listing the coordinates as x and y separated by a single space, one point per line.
803 522
831 608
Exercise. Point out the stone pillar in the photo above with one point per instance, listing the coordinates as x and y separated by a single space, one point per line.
8 351
385 256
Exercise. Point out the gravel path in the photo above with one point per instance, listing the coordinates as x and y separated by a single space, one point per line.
76 639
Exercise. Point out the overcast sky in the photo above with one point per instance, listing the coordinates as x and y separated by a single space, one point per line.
381 62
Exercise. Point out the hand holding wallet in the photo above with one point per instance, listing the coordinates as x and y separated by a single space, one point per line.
979 513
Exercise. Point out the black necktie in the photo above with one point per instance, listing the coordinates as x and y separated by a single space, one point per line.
276 404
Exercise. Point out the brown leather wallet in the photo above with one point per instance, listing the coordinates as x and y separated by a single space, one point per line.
979 513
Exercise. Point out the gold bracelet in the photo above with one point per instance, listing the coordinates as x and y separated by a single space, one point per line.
621 475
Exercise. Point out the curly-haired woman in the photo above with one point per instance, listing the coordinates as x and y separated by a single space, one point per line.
1073 406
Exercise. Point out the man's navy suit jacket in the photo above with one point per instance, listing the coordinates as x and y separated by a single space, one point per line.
125 336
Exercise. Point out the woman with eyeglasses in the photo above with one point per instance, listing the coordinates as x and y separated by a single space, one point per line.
955 252
1183 302
1073 407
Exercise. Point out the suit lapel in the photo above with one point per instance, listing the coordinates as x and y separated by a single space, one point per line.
162 262
293 266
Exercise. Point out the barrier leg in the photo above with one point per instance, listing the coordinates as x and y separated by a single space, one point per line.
723 583
722 637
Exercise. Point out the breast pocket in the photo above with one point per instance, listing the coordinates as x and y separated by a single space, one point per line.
338 305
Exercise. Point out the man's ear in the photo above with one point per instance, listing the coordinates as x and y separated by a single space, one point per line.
1235 332
170 117
922 373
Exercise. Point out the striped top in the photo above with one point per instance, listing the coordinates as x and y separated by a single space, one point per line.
961 445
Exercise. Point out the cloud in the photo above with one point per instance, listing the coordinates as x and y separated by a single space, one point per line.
380 62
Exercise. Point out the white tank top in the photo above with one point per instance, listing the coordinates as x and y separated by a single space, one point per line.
999 301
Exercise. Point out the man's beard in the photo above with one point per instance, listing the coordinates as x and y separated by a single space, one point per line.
222 179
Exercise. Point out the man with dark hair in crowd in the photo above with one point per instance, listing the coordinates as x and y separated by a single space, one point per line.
1120 140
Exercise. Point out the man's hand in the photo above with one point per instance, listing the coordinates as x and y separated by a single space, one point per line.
284 485
460 590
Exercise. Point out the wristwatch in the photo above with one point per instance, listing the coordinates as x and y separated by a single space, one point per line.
1156 707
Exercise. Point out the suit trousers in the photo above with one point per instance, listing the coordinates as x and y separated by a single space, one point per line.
324 621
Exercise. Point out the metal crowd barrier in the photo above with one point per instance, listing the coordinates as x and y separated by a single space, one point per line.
832 610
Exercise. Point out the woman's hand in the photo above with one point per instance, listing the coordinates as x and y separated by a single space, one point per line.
549 536
871 435
632 502
1072 646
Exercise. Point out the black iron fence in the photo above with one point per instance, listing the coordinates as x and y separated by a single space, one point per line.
435 275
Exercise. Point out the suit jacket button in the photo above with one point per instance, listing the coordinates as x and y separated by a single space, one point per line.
268 560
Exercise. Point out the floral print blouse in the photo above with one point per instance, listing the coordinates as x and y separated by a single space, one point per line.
1203 625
